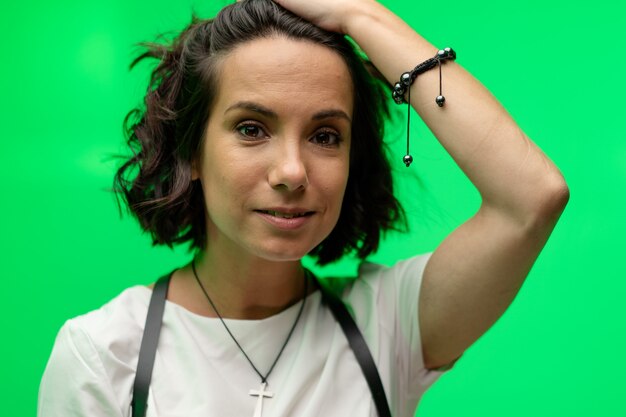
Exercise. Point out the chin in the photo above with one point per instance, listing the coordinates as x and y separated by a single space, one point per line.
283 256
283 253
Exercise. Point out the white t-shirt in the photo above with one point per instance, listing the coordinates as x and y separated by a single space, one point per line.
200 372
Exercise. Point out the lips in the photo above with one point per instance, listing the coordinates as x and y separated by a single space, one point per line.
286 219
286 215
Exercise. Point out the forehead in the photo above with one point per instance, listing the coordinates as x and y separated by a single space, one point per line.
286 74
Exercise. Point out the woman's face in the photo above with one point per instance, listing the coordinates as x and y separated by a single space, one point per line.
275 157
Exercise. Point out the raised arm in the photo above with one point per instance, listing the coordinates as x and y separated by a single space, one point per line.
477 270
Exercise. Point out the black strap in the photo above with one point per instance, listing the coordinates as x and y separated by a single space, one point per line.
360 350
152 329
149 342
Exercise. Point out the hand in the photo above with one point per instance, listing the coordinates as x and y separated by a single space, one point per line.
327 14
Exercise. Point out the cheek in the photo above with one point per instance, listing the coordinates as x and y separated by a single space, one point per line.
334 186
229 183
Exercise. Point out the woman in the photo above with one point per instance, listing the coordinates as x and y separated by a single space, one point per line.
261 143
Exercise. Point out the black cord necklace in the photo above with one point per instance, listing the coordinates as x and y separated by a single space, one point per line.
260 393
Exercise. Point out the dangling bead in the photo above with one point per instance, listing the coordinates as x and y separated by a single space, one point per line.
440 100
407 160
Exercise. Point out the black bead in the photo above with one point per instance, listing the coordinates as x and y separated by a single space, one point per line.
405 79
407 160
446 53
399 88
440 100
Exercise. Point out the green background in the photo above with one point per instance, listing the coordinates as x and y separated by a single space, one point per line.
556 66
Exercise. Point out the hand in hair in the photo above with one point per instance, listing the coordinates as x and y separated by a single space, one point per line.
327 14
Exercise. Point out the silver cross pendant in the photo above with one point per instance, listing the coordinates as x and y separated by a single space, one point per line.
261 393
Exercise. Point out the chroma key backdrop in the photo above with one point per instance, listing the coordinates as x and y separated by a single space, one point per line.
557 66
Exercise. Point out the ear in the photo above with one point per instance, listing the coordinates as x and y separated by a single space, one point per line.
195 173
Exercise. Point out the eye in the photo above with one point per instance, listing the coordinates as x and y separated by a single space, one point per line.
251 131
326 138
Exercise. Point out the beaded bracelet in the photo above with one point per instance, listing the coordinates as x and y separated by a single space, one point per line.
404 86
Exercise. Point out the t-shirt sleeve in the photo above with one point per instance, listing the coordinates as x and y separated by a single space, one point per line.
384 301
405 279
74 383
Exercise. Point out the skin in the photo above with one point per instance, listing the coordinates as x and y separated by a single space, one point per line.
474 274
278 139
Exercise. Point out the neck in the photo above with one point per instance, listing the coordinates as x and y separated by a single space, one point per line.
241 287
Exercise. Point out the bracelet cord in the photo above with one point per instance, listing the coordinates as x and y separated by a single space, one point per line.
403 87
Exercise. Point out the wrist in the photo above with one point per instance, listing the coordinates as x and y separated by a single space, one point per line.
358 13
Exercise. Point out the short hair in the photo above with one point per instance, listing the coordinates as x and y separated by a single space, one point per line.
166 132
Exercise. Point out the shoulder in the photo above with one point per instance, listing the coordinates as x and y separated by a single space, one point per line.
94 356
381 296
127 309
110 333
411 269
388 285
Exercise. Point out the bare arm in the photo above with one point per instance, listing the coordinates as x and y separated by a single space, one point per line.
475 273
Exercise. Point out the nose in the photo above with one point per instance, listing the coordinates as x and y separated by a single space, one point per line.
288 170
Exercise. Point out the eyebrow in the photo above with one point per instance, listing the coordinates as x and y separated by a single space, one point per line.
258 108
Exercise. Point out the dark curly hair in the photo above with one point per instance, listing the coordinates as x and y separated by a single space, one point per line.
166 133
